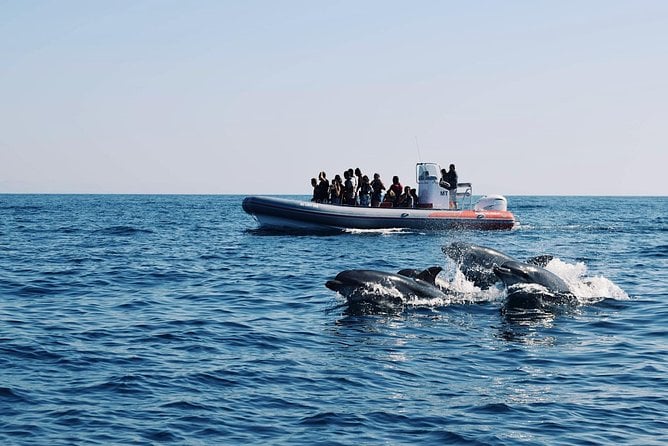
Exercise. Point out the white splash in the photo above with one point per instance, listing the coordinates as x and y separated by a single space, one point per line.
465 291
387 289
586 289
431 303
380 289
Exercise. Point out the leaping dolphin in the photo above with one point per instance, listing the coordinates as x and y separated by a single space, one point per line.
384 290
513 272
517 276
477 262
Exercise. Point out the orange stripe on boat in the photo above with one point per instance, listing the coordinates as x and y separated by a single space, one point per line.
467 214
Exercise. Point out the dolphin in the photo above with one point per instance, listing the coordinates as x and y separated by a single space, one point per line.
477 262
520 280
514 272
383 290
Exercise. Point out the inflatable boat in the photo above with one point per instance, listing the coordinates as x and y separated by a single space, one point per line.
432 212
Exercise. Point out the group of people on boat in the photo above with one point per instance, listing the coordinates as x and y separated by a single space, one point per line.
355 189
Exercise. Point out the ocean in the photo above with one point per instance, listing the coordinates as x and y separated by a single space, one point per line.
167 319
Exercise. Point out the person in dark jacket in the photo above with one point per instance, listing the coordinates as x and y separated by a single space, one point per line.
348 189
378 188
449 181
314 184
323 188
406 199
336 190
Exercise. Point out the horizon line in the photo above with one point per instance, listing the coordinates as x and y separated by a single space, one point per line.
300 194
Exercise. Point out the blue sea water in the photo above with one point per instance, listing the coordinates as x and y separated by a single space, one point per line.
174 320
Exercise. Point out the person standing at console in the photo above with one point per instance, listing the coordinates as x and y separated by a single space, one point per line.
449 181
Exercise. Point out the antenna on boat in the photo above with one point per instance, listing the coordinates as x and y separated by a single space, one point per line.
418 149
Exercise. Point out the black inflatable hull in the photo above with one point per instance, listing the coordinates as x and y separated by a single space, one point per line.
284 214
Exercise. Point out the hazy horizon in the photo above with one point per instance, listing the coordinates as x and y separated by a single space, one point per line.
222 97
305 195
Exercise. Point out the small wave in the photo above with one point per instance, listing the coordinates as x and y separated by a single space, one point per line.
332 418
19 207
122 231
495 408
292 232
185 406
9 395
211 257
214 379
657 252
569 228
30 352
525 207
68 230
119 384
32 290
161 436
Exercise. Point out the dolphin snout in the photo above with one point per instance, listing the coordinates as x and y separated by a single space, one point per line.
334 285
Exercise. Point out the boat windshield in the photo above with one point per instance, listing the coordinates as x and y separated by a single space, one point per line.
427 171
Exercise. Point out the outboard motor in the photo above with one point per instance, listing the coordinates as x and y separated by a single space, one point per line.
492 203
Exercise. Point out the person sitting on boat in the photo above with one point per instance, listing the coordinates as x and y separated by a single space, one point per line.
449 181
378 188
365 192
323 188
336 190
348 189
397 188
415 197
390 197
406 199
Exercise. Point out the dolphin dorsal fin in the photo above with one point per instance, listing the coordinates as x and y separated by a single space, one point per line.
429 274
541 261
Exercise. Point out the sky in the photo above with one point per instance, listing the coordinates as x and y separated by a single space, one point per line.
256 97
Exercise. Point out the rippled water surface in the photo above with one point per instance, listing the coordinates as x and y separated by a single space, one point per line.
172 319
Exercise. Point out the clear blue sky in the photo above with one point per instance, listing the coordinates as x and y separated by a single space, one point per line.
526 97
